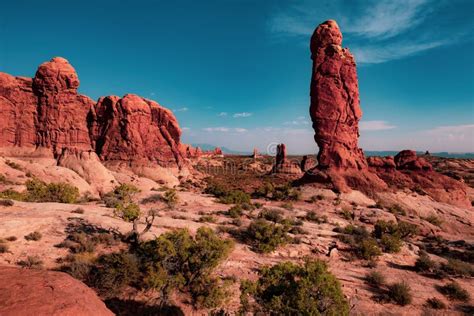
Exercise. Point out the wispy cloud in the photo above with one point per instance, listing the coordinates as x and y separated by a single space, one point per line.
186 128
184 109
222 114
243 114
375 125
377 30
300 120
222 129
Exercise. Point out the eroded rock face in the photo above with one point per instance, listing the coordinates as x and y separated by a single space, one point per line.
283 164
46 115
335 109
132 128
39 292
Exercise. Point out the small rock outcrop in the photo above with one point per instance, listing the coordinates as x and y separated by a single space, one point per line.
283 164
41 293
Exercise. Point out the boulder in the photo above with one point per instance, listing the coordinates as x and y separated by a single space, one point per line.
46 293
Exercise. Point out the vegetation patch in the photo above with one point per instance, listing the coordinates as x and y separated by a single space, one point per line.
264 236
291 289
34 236
453 291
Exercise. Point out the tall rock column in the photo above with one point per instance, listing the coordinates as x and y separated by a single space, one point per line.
335 109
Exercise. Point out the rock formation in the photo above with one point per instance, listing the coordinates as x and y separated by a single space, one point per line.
335 109
283 164
39 292
47 116
335 113
132 128
408 171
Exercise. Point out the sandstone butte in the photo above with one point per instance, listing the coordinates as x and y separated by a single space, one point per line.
46 116
25 291
335 112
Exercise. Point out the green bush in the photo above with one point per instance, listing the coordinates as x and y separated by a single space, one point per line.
312 216
375 279
171 198
396 209
456 267
278 193
367 249
264 236
39 191
435 303
35 236
272 215
227 196
129 212
424 263
121 193
291 289
208 292
400 293
454 291
177 260
113 272
235 211
207 219
31 262
435 220
391 244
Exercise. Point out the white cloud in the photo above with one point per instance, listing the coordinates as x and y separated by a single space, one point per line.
375 125
378 30
184 109
300 120
222 114
243 114
222 129
186 128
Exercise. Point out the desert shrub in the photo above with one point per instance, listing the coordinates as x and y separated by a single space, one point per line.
78 210
382 227
272 215
424 263
367 249
435 220
120 194
312 216
13 195
207 219
235 211
154 198
208 292
396 209
454 291
297 230
3 179
291 289
113 272
32 262
435 303
375 278
227 196
13 165
35 236
39 191
129 212
6 203
287 206
3 248
177 260
400 293
80 242
346 214
456 267
265 236
318 197
278 193
391 244
407 230
79 266
171 198
257 205
237 222
11 238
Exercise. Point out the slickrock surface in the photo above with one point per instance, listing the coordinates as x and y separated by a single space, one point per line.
41 293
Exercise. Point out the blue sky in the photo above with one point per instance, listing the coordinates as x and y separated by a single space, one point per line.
237 72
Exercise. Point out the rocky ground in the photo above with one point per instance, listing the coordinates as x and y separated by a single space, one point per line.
445 231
